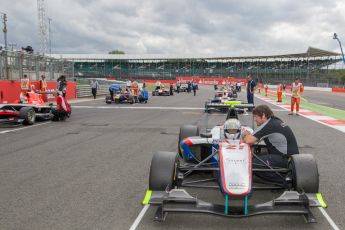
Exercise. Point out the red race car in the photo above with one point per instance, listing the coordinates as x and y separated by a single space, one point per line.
25 111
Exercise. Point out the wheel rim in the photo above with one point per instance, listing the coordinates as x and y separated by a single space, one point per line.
31 116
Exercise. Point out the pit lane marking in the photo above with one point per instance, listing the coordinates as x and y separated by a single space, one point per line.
134 107
328 218
14 130
139 217
143 107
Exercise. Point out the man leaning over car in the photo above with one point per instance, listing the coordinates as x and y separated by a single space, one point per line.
279 139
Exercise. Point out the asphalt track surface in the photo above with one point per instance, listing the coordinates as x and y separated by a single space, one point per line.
91 171
334 100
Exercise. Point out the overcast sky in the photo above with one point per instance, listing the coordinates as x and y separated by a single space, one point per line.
225 27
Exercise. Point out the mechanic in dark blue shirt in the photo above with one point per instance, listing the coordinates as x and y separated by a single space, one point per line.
279 139
250 89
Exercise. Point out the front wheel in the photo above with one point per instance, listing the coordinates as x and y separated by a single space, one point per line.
304 172
163 171
28 114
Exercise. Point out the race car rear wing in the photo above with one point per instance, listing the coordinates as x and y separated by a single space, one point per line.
179 200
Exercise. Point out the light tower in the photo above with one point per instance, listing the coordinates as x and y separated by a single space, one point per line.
42 27
335 36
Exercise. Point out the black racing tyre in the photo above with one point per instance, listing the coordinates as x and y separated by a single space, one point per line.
187 131
153 93
28 114
108 99
304 172
70 111
163 171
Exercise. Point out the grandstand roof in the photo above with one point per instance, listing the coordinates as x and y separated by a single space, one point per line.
311 52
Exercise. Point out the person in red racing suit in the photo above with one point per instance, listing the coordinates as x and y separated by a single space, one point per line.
62 110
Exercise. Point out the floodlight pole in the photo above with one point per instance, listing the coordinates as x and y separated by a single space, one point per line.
335 36
4 18
50 42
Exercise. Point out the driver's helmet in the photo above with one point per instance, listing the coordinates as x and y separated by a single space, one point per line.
232 129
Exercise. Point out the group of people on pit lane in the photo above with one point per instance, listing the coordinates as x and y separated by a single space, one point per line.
131 90
297 89
62 109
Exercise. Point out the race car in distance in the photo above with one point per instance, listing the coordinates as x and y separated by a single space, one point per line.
183 88
118 95
208 160
161 92
226 92
220 104
25 112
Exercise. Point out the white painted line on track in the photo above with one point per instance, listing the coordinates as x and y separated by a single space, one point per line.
328 218
127 107
31 126
84 100
140 216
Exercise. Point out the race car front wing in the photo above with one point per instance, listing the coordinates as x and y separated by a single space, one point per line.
179 200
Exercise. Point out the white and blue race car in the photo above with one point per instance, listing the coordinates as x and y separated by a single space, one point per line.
226 165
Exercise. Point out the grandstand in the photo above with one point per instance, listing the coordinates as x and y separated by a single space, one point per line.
315 67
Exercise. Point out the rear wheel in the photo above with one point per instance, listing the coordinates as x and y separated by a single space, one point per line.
28 114
187 131
163 171
304 172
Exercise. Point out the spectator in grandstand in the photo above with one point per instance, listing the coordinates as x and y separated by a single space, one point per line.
296 92
62 85
278 137
250 89
94 86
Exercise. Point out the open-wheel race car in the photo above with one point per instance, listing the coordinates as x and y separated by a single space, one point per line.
226 92
25 112
226 165
161 92
126 97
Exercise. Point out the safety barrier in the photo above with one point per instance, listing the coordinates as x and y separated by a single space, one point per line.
85 90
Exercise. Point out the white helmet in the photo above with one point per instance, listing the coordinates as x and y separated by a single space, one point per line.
232 129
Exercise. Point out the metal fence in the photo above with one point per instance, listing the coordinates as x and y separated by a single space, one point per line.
13 65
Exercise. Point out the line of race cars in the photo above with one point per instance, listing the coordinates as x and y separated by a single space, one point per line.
209 160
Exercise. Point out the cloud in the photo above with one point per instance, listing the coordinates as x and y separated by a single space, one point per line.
222 27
